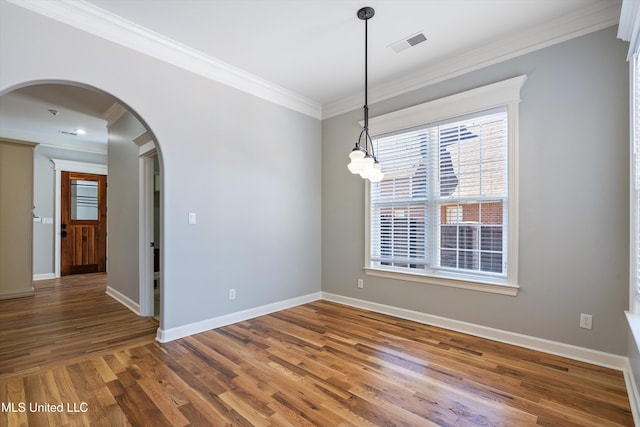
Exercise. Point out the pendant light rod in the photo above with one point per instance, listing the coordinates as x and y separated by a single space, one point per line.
363 160
366 75
365 14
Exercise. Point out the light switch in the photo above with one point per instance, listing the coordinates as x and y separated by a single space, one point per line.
192 218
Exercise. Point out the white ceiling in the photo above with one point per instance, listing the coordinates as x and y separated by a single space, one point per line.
314 49
51 114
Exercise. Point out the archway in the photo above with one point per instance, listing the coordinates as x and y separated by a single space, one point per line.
52 113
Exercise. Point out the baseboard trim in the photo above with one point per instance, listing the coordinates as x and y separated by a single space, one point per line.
10 295
594 357
124 300
43 276
166 335
632 392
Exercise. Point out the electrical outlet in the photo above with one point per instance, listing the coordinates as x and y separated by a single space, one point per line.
586 321
232 294
360 283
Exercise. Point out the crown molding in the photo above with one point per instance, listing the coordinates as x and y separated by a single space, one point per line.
55 141
143 138
90 148
89 18
113 113
92 19
584 21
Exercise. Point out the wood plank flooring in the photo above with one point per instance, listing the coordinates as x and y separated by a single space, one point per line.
319 364
66 318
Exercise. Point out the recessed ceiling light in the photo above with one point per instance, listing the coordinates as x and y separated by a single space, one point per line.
81 131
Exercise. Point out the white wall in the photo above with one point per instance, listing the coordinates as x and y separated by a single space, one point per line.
246 167
574 176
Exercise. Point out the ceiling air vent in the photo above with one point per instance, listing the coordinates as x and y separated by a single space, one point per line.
408 42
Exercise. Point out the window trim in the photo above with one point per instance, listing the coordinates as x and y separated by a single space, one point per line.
505 93
634 214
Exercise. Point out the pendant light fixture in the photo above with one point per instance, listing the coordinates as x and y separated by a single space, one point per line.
363 158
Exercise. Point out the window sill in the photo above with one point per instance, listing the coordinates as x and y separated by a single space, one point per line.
491 287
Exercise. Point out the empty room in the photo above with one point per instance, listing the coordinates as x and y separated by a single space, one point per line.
319 213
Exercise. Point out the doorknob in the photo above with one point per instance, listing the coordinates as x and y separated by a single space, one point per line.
63 226
64 233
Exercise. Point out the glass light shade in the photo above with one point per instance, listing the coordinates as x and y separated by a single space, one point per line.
367 168
356 165
376 175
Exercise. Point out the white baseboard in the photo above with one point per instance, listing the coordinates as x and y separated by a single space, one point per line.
44 276
594 357
124 300
632 392
166 335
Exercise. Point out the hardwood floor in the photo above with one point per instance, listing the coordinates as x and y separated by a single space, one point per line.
66 318
319 364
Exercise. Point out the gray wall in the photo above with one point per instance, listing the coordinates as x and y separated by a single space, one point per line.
122 207
573 173
44 201
248 168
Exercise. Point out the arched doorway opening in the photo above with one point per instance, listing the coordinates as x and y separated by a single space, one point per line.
80 127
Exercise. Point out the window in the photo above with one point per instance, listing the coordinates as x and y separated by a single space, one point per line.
629 30
452 175
454 214
84 200
445 213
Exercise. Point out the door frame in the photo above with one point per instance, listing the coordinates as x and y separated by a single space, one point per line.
146 189
69 166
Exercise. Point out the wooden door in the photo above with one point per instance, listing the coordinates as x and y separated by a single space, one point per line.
83 227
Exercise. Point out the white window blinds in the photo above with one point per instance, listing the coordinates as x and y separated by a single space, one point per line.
442 204
399 216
